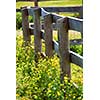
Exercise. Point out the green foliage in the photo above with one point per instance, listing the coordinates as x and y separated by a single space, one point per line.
77 48
42 81
19 20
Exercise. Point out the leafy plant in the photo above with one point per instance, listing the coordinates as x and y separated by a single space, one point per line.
77 48
41 81
18 20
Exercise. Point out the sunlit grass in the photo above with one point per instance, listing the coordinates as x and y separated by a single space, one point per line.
61 2
72 35
51 3
21 4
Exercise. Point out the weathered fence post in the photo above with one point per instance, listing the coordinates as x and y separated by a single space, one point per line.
25 25
48 35
62 25
37 32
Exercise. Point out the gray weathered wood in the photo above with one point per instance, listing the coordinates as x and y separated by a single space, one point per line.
62 25
31 10
63 9
72 42
37 33
25 26
57 9
48 35
76 59
74 23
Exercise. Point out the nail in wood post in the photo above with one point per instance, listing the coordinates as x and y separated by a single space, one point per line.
37 33
25 26
48 35
64 47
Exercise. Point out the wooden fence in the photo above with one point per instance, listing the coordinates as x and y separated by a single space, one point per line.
62 47
74 9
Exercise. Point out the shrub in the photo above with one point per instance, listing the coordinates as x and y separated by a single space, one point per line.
77 48
18 20
42 81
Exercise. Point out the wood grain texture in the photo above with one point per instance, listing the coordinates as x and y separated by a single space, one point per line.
48 35
74 57
37 33
25 26
74 23
62 25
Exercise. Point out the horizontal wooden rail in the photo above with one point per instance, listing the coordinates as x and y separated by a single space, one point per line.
62 26
58 9
74 23
74 57
63 9
72 42
68 22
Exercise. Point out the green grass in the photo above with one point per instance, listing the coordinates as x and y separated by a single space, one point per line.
51 3
61 3
48 3
21 4
72 35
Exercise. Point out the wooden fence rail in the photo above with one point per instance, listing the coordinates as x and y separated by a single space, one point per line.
74 9
63 24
